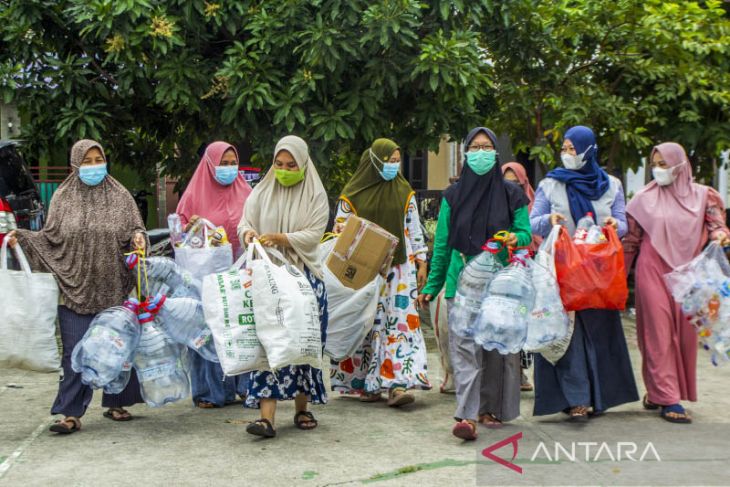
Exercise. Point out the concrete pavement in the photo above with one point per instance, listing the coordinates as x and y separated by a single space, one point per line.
360 443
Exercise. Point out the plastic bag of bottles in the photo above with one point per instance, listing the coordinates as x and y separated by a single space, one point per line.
182 320
548 322
161 367
702 288
502 320
107 345
587 232
471 289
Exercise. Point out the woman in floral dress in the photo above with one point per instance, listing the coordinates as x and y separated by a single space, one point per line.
392 357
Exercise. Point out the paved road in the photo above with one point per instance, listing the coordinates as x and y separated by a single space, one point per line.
359 443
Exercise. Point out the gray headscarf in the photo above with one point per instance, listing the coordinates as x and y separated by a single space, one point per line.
88 229
300 211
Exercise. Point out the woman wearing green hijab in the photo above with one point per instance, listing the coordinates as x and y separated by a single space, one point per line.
393 356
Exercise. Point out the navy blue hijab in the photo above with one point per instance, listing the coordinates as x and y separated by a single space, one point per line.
481 205
588 183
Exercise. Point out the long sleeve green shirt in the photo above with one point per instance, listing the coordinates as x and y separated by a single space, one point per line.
447 263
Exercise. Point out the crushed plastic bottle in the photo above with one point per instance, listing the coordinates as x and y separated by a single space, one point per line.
502 321
160 367
107 345
471 290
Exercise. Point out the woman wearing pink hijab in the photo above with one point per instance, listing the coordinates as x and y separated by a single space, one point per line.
217 193
670 221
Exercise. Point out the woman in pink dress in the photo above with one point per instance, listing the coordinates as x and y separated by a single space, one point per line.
670 221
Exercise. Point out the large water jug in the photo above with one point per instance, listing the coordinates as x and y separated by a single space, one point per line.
109 342
502 321
160 367
182 320
471 290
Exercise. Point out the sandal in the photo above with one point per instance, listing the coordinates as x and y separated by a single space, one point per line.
648 404
370 397
490 421
205 405
679 415
399 397
62 426
578 414
465 430
261 427
525 385
118 414
308 423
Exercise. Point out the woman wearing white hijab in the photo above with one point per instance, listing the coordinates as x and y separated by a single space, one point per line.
288 210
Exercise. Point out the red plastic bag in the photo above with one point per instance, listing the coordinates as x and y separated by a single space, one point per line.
591 276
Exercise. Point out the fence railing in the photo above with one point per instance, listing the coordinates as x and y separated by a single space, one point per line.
48 179
49 174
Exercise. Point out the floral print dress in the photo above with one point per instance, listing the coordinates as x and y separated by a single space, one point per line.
393 354
288 382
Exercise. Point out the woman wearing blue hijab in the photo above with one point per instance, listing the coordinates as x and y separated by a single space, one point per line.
595 373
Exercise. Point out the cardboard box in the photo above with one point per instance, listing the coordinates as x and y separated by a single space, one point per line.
362 251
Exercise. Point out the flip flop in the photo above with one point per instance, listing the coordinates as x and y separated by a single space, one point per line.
367 397
309 418
206 405
465 431
261 427
125 416
578 414
490 421
677 409
399 397
61 426
648 404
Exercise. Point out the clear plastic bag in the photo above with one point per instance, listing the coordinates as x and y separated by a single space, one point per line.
548 322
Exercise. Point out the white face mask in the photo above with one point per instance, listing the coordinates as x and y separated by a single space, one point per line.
574 162
664 177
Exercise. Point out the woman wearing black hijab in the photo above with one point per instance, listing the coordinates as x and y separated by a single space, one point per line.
479 205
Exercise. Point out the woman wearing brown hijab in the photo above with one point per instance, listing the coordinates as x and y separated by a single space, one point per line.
92 221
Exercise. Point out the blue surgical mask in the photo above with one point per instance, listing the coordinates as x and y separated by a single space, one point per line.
92 175
226 174
390 169
481 161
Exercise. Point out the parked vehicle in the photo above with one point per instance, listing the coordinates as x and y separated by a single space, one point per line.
20 203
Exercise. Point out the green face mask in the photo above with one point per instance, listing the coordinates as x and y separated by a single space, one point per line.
289 178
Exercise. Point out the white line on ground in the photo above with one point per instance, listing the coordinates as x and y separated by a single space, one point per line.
10 461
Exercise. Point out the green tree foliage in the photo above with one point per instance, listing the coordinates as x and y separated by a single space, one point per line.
156 79
640 72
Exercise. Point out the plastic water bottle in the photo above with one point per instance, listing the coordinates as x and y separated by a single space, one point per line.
502 321
548 321
471 290
159 363
110 341
179 282
175 226
183 321
582 228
